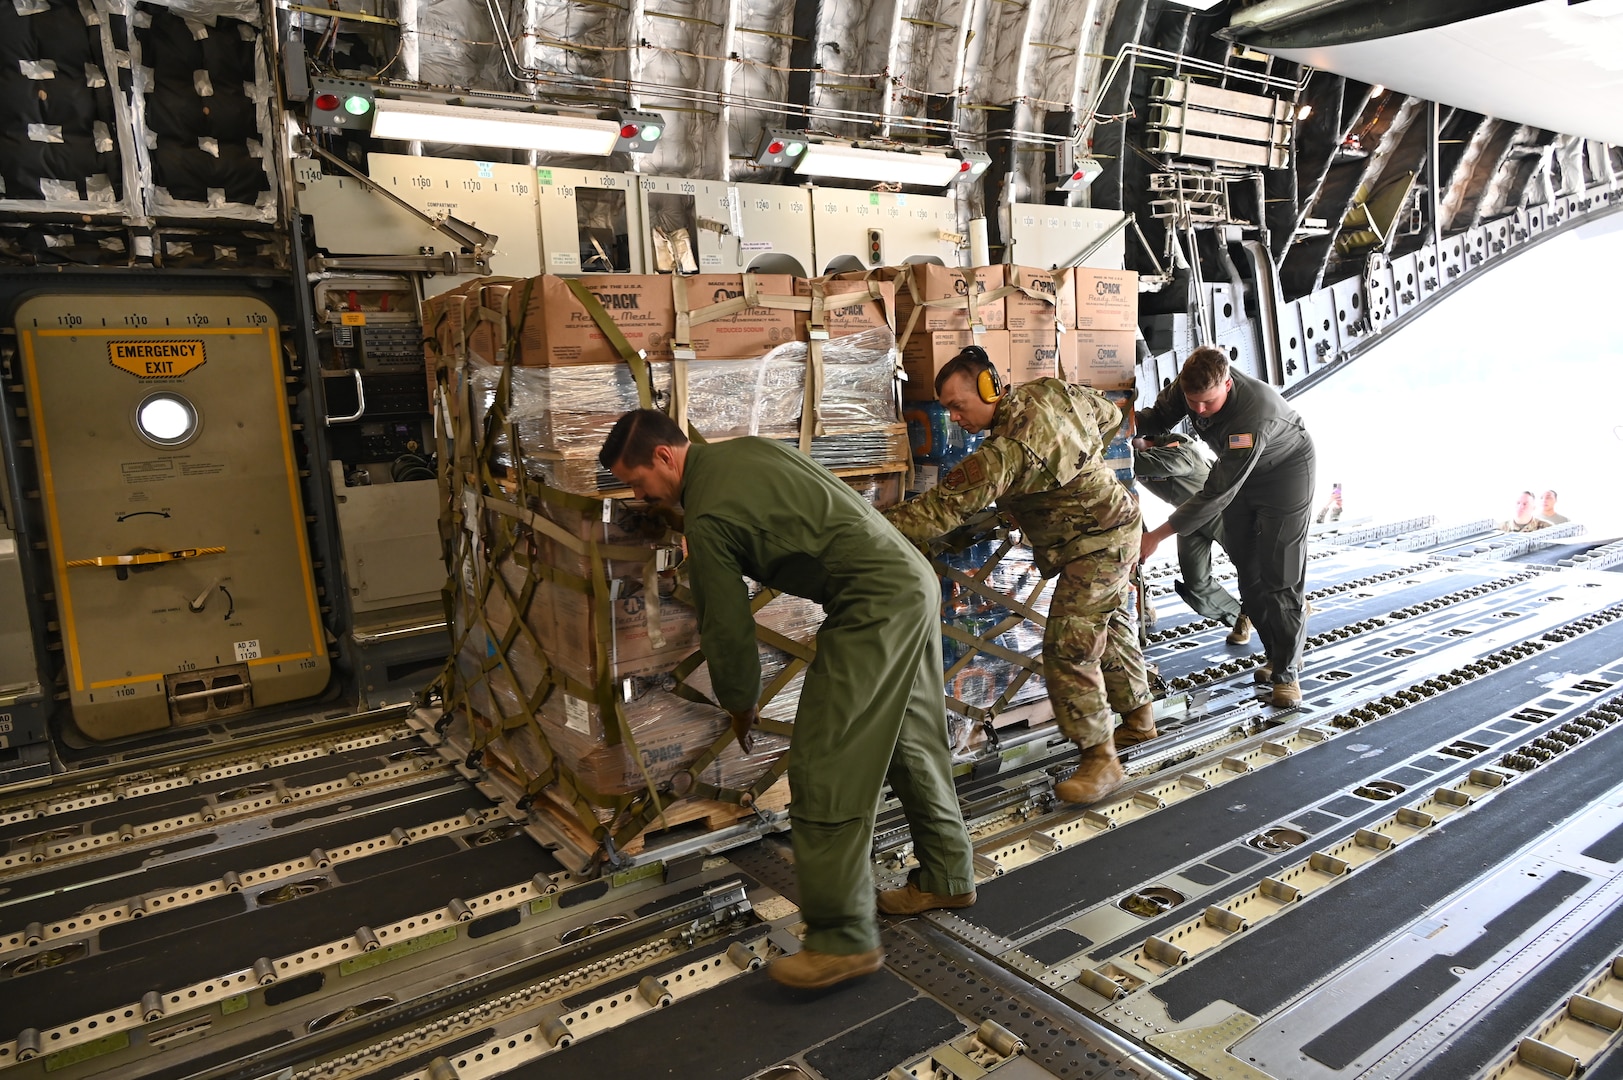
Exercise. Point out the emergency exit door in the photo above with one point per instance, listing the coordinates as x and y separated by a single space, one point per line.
173 513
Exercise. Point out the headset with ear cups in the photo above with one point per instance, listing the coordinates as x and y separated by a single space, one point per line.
989 384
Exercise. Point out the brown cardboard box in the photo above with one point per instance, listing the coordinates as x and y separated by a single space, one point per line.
1106 299
558 331
1041 354
1106 360
859 310
928 352
1040 292
752 332
927 281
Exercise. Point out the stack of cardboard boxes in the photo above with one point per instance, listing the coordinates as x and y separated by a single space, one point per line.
576 673
1076 323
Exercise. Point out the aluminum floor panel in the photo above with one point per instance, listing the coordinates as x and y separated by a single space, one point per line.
1064 884
748 1025
123 874
430 874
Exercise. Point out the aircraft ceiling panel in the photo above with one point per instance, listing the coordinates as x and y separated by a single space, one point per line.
1057 235
488 195
1547 64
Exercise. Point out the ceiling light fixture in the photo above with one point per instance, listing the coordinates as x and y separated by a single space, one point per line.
779 149
971 164
837 160
1083 173
432 122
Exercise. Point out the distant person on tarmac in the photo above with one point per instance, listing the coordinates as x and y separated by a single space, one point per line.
1171 469
871 709
1547 512
1262 485
1524 519
1331 510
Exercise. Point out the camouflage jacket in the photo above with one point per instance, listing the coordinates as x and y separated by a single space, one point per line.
1041 463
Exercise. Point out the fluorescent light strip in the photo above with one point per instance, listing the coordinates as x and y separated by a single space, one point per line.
879 166
458 124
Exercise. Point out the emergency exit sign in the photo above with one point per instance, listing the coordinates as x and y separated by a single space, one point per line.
156 359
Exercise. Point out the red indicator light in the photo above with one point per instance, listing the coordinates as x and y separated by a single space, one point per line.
963 166
775 146
327 102
629 131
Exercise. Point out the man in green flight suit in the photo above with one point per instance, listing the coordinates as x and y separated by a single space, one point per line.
871 708
1172 470
1042 463
1262 486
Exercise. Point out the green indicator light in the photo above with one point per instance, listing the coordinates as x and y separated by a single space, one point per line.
357 105
650 132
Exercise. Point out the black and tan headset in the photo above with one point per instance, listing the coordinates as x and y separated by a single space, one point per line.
989 384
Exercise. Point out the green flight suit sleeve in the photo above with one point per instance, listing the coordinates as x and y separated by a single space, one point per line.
726 627
1232 470
973 484
1169 408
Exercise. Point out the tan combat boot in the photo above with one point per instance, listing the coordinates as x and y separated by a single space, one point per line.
1136 727
808 970
1241 634
912 900
1286 694
1098 773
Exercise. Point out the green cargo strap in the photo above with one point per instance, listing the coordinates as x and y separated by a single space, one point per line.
637 362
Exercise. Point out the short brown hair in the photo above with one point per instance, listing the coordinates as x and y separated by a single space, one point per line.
632 440
1205 369
970 362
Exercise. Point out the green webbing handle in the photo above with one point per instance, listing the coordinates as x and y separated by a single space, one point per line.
639 365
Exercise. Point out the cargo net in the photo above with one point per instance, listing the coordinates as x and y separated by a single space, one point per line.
576 674
994 606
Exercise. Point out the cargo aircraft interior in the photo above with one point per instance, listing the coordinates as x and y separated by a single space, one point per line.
353 720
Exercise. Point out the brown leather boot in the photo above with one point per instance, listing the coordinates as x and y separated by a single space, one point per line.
808 970
1241 634
1136 727
911 900
1286 694
1098 773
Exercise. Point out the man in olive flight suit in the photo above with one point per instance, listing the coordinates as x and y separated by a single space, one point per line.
1172 470
871 708
1262 485
1041 462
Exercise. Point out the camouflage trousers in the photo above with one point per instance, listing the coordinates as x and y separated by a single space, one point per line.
1091 657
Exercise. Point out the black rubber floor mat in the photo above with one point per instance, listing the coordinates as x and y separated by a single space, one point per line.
1056 945
887 1040
122 879
728 1033
1608 849
1495 1030
1067 882
112 979
106 817
1396 1005
37 891
1330 930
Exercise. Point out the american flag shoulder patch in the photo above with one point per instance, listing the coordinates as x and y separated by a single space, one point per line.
1240 442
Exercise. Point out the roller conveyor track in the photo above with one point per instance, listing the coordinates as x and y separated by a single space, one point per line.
1413 874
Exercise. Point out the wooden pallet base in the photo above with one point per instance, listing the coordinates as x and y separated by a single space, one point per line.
681 819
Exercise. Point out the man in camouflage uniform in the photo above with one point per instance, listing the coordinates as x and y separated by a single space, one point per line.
1172 470
1041 463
